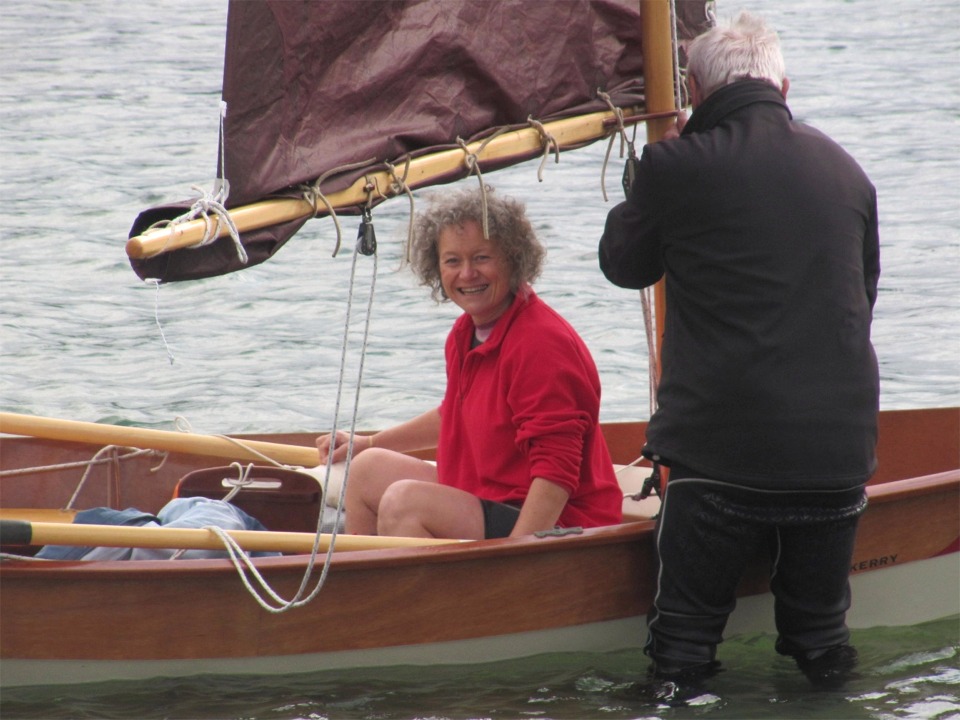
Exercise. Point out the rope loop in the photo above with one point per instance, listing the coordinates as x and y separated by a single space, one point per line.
472 161
620 132
398 185
312 193
547 141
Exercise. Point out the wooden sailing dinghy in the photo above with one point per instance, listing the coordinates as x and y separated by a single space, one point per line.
81 621
67 622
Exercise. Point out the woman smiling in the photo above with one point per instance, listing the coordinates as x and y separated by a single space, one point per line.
519 447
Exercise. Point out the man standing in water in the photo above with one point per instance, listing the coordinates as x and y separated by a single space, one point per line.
766 232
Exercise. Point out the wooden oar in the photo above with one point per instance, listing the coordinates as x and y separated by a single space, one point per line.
24 533
208 445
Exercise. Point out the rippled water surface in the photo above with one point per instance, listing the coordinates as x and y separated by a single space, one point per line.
109 107
905 673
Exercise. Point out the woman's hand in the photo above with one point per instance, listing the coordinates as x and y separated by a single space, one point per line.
326 442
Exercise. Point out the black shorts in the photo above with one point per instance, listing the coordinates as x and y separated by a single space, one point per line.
498 518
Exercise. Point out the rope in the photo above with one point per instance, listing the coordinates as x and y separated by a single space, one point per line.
183 425
265 595
399 185
546 140
312 193
678 102
472 161
620 132
12 472
156 317
211 204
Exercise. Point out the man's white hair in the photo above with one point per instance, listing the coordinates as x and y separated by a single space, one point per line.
744 48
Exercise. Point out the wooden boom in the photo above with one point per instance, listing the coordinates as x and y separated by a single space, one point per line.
425 170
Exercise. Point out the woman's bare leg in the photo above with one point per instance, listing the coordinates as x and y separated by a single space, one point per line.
412 508
371 473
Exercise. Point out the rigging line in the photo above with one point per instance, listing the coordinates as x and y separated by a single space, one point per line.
546 140
135 452
675 44
653 373
242 563
183 425
86 473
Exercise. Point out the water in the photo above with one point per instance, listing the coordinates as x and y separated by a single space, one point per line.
107 108
905 673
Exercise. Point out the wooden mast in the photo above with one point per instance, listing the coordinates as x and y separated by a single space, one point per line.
658 75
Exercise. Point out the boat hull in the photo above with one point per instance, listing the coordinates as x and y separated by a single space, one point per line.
69 622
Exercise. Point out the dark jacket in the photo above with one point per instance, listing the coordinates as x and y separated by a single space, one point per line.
767 233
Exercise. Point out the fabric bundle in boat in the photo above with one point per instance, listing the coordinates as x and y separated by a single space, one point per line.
196 512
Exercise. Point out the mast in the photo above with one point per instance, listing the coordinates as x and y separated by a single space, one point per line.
658 75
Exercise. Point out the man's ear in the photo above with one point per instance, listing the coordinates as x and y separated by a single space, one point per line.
695 98
785 87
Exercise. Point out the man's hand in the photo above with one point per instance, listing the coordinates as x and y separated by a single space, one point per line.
674 131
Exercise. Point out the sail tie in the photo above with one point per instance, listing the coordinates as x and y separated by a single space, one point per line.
547 141
472 161
314 195
399 185
620 132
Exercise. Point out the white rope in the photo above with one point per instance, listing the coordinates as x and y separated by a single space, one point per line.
156 317
211 206
241 561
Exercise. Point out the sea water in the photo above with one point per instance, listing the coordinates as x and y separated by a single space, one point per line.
109 107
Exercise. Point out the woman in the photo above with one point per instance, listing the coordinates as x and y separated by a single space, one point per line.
519 447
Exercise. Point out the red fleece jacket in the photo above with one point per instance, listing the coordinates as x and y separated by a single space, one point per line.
525 404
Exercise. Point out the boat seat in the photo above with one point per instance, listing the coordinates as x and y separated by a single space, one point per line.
283 500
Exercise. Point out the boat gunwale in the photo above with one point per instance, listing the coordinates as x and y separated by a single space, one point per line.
362 560
347 561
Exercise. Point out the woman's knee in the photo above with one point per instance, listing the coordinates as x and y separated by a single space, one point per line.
400 503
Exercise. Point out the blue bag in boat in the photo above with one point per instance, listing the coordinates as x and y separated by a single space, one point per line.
195 512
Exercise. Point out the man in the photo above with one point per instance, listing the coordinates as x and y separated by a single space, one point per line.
766 232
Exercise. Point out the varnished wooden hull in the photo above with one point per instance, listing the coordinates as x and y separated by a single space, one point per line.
86 621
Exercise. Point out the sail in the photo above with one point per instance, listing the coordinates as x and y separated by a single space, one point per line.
317 94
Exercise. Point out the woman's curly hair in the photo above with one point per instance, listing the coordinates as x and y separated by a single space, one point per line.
508 228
